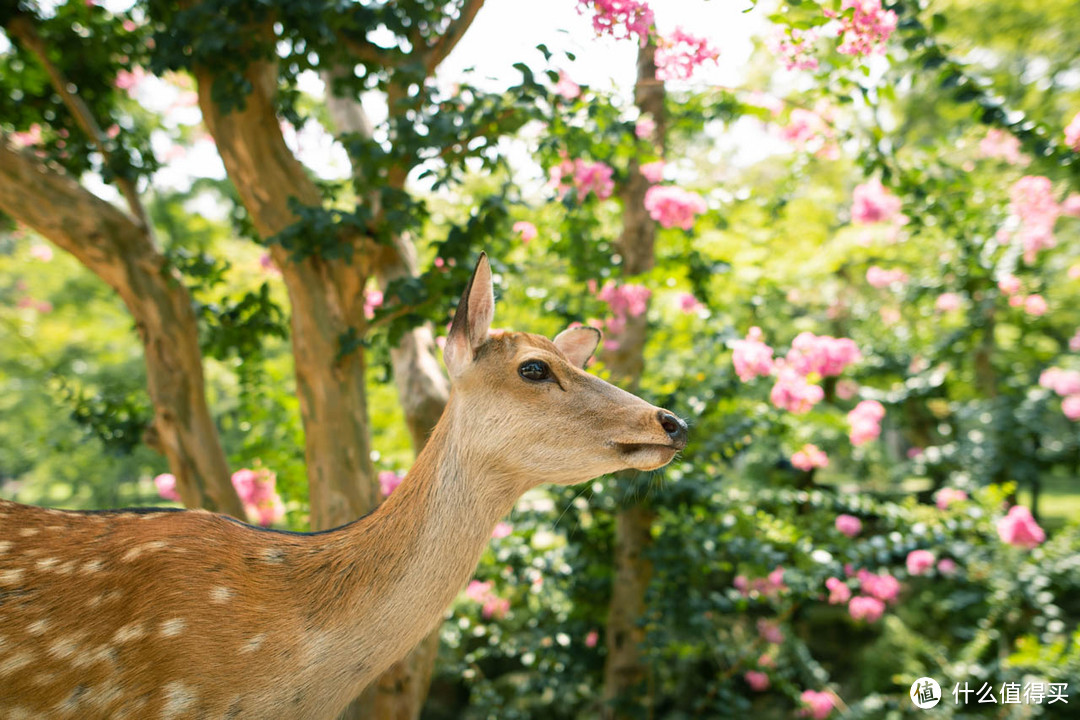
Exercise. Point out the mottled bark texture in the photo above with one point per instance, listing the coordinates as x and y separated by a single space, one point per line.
120 251
627 691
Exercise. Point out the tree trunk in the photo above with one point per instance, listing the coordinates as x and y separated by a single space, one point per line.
326 298
120 252
627 691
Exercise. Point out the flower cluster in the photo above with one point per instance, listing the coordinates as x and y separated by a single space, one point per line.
644 127
867 29
768 586
865 421
946 496
873 203
256 489
1001 145
881 278
793 393
751 356
1019 528
679 54
372 300
620 18
1032 202
653 171
526 230
492 606
584 177
948 301
919 561
624 301
795 48
672 206
567 88
389 481
823 355
1065 383
848 525
810 131
809 457
816 704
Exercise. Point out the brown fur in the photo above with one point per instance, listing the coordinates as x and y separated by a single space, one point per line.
188 614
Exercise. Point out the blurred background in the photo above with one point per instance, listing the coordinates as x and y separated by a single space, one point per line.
840 238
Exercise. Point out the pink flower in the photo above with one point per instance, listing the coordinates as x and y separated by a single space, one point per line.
389 481
591 638
1032 201
672 206
688 303
1072 133
502 529
873 203
846 389
817 705
882 586
624 301
808 458
804 126
822 354
770 631
866 608
1071 407
653 171
1016 301
919 561
41 252
166 486
129 80
849 525
795 48
620 18
947 302
1063 382
679 54
793 393
566 87
947 496
1003 145
372 300
584 177
865 421
1071 206
881 278
1019 528
29 138
1009 285
1035 305
256 489
526 230
839 592
478 591
644 128
757 680
947 567
867 29
495 607
1074 341
751 356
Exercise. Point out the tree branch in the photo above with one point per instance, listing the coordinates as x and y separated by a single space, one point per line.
454 32
24 31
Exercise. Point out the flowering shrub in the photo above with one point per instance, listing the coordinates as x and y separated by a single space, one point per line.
256 489
672 206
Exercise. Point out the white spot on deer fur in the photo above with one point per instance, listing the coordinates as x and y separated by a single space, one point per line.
178 698
10 577
54 527
254 643
46 563
37 627
14 663
67 568
144 548
27 532
273 555
5 545
129 632
95 601
220 594
172 627
19 713
91 566
151 516
64 648
99 654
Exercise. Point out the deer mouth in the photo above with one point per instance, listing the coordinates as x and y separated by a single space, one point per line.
646 456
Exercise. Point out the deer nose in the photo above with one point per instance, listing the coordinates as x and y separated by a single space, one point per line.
674 427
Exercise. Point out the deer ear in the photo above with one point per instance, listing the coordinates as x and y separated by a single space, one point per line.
578 343
472 321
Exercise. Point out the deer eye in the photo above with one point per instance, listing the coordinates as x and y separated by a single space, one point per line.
535 370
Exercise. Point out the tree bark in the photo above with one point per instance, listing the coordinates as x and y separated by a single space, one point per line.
326 298
627 691
120 251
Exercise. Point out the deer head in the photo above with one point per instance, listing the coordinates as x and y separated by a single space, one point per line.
526 407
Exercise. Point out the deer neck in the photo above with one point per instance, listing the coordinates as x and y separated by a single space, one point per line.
416 551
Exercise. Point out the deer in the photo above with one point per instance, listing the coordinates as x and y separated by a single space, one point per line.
171 613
